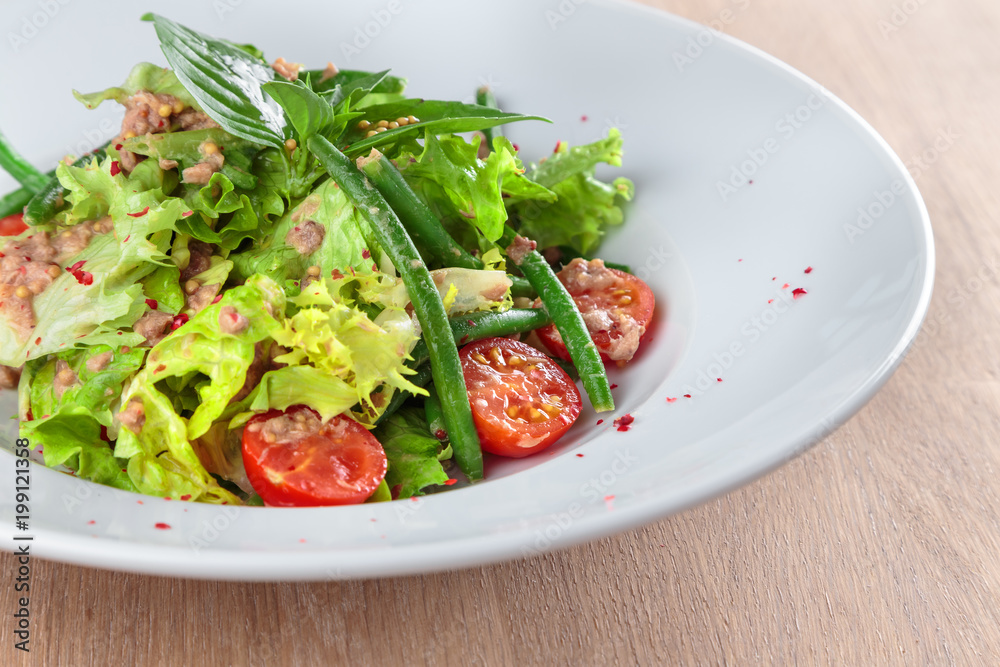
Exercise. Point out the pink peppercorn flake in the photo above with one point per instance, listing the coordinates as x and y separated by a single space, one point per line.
798 292
579 456
671 400
217 299
809 269
153 304
583 118
614 386
187 214
162 526
451 482
785 286
365 253
687 395
516 147
600 421
179 321
115 168
139 214
186 496
624 422
91 522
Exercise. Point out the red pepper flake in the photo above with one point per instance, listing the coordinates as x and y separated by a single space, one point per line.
671 400
516 147
140 502
450 482
186 496
600 421
179 321
119 333
375 267
718 379
139 214
163 526
77 266
751 182
614 386
687 395
798 292
809 269
624 422
127 237
91 522
152 303
440 434
187 214
583 119
118 147
217 299
365 254
115 169
775 278
558 147
167 498
38 341
336 275
579 456
785 286
770 300
302 540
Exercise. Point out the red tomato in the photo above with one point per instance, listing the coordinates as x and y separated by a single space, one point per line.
616 306
293 459
521 400
12 225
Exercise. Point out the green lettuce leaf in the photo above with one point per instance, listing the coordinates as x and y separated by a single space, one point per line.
586 206
71 313
347 241
414 454
144 76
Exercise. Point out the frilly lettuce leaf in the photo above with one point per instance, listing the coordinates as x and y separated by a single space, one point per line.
586 206
73 314
452 179
414 454
144 76
343 342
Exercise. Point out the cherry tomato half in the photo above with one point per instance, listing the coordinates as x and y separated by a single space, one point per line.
522 401
616 306
293 459
12 225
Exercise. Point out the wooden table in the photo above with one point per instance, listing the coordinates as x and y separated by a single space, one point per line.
879 546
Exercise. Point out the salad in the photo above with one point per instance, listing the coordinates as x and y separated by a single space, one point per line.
300 287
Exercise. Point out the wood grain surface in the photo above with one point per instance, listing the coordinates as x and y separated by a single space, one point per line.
878 546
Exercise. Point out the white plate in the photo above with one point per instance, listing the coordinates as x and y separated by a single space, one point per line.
791 370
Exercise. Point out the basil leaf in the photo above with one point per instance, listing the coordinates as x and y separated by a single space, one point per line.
436 117
225 79
347 78
308 112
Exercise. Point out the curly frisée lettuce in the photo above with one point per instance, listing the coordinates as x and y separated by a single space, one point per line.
210 277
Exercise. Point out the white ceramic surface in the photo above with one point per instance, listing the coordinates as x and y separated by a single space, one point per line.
694 106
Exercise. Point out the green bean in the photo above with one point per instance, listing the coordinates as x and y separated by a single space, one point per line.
46 202
435 415
474 326
427 305
13 202
420 379
421 223
560 305
23 171
485 98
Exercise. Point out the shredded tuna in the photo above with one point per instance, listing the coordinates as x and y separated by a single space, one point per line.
134 416
307 237
520 248
330 72
201 173
65 379
200 259
154 326
99 362
167 165
150 113
28 266
9 377
231 321
202 298
583 276
286 69
290 428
